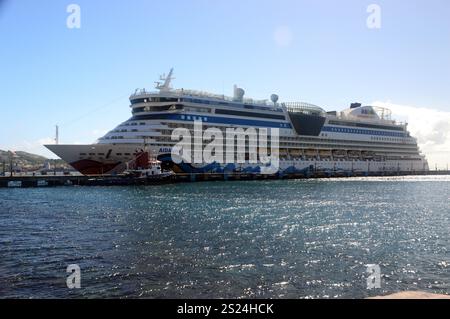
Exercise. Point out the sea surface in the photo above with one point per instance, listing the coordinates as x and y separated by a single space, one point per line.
252 239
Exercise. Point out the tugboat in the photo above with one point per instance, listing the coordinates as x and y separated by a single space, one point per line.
139 171
142 168
152 172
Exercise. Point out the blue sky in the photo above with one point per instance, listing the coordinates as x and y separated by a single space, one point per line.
303 50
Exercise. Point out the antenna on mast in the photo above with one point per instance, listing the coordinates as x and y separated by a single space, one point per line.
56 134
165 86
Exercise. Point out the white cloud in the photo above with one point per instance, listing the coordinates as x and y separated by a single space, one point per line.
46 140
99 132
431 127
283 36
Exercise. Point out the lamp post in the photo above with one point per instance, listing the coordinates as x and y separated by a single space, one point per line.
11 165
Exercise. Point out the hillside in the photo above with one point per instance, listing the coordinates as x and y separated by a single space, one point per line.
27 161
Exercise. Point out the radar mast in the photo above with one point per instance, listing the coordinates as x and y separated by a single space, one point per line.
165 85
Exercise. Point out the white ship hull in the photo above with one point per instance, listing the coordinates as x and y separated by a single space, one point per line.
97 161
358 139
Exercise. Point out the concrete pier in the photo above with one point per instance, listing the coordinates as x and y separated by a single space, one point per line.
117 180
413 295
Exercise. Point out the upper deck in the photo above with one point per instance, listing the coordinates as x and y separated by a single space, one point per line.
168 99
203 98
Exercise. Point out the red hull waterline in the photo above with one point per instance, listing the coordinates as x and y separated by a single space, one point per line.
90 167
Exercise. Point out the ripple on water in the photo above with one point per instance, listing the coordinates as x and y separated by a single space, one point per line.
265 239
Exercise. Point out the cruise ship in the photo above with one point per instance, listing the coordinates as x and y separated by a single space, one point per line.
361 138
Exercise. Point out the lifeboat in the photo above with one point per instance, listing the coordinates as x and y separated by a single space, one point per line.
354 154
295 152
367 155
325 153
339 153
311 152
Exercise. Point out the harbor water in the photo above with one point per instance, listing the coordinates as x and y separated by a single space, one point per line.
240 239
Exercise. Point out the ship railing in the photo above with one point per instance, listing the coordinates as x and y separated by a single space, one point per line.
139 92
342 116
203 94
303 107
196 93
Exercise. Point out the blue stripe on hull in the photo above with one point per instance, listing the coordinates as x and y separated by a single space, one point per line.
212 119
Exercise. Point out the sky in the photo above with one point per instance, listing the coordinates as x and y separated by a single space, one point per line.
325 52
